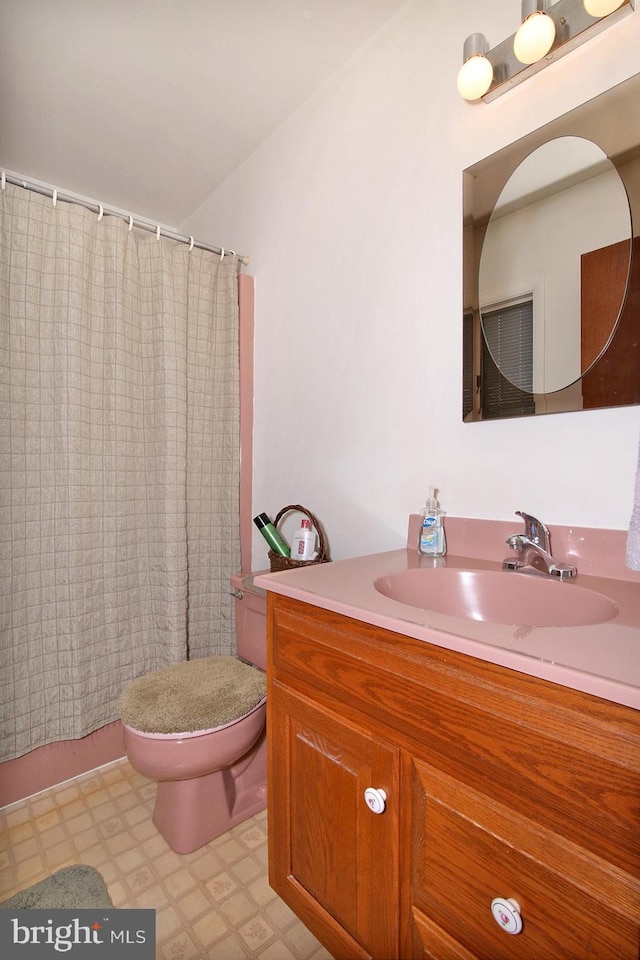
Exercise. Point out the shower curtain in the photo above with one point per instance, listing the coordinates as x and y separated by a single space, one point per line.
119 462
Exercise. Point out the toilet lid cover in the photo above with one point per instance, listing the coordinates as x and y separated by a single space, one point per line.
195 695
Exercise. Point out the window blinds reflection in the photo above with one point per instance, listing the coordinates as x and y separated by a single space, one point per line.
507 360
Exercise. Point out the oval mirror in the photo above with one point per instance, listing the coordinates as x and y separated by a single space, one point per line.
563 211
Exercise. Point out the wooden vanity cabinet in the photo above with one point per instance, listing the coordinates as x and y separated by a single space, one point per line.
497 784
334 862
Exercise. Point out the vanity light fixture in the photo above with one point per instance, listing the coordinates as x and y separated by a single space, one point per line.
547 33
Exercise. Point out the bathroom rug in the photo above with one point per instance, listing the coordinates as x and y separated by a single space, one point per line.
78 887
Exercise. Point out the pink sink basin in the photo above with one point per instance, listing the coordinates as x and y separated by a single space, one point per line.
497 596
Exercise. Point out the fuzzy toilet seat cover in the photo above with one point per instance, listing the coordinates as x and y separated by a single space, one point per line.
190 696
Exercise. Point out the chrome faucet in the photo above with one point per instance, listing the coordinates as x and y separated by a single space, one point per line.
534 550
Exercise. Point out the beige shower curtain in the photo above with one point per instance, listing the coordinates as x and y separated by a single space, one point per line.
119 462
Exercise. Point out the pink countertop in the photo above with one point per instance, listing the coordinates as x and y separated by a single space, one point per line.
602 659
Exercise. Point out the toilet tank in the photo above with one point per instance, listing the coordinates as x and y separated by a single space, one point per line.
251 619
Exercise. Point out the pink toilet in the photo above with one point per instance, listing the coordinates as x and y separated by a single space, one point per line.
212 774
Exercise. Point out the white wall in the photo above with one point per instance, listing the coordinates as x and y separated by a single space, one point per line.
352 215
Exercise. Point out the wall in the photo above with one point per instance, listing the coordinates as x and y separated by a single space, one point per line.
352 215
59 761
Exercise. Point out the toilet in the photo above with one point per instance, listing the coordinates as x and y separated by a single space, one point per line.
211 774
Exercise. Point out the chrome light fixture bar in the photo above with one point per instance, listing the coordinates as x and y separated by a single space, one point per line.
573 27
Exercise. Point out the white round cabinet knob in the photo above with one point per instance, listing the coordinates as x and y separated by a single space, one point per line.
506 913
376 799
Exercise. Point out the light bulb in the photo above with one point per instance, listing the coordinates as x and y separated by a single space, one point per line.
474 77
601 8
476 73
534 38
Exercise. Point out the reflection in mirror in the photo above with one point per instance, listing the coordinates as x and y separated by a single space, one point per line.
552 300
565 199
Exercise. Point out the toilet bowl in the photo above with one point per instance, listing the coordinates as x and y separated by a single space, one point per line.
211 775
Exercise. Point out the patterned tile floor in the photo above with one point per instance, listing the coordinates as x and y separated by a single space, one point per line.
213 904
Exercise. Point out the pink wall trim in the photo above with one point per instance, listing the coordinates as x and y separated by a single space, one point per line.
57 762
246 310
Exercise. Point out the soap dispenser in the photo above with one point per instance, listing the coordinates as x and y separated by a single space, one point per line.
431 540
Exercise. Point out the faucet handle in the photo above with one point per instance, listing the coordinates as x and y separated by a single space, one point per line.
535 530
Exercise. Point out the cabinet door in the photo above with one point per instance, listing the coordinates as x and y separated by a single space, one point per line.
332 859
467 849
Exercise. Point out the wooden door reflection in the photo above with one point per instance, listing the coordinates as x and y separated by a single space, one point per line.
614 380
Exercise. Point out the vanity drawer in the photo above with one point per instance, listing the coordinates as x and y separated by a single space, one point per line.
466 849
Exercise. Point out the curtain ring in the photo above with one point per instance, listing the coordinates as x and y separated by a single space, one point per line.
3 180
130 222
222 255
54 197
191 244
158 232
100 211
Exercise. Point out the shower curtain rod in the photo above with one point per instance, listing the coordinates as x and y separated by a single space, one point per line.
46 190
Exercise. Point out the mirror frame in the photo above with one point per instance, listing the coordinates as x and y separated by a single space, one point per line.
483 183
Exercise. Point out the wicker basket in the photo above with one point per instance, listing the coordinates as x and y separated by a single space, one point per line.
279 563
